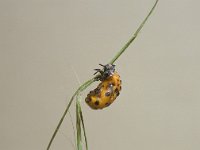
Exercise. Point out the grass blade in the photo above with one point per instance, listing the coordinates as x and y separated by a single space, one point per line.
78 126
79 90
134 35
83 126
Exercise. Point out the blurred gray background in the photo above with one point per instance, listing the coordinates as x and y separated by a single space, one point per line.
49 47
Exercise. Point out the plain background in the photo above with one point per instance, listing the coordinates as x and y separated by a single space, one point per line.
48 47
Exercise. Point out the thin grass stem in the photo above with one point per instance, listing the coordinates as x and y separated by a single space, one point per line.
83 126
79 90
78 124
122 50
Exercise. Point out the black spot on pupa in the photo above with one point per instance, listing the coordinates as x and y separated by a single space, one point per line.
107 104
92 92
88 99
107 94
96 103
117 92
113 83
97 90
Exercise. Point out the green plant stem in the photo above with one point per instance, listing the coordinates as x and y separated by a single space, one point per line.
78 124
134 36
79 90
83 126
89 82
